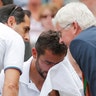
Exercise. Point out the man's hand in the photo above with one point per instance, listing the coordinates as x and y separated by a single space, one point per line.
54 93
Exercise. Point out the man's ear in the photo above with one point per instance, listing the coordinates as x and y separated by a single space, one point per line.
77 28
34 53
11 21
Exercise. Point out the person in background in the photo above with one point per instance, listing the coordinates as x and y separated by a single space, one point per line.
47 53
47 12
58 3
14 28
35 26
77 26
91 4
5 2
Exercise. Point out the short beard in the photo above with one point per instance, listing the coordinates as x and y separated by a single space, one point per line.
39 70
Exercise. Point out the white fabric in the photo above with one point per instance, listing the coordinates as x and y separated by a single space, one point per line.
11 48
36 29
26 87
63 78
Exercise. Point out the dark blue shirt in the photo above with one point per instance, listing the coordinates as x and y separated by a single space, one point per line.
83 50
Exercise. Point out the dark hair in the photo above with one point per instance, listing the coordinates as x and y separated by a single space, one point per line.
13 10
6 2
49 40
28 13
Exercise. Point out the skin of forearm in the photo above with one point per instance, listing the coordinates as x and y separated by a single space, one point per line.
10 90
11 83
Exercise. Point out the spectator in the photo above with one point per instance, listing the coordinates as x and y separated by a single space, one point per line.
91 5
5 2
47 12
35 26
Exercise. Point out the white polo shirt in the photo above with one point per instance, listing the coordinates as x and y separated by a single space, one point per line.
69 78
62 77
12 48
26 86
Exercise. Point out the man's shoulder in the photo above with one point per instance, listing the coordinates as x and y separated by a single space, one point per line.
7 33
87 34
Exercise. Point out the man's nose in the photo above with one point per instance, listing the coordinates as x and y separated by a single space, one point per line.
60 41
26 38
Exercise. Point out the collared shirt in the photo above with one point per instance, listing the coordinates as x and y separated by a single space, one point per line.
11 48
26 86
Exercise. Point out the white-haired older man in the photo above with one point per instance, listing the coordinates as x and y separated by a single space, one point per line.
77 27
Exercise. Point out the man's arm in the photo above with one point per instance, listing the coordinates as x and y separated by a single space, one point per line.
11 82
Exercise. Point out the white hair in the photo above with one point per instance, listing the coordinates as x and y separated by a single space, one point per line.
75 11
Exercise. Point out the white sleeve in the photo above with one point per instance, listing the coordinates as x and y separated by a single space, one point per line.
1 81
14 55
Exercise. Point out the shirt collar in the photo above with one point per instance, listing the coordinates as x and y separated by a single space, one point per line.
24 78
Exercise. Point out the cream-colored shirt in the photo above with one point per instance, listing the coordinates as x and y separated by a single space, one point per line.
26 86
62 77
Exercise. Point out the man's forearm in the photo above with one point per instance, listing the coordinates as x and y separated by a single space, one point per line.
11 83
10 90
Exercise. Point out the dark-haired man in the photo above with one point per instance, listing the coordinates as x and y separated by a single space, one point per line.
14 27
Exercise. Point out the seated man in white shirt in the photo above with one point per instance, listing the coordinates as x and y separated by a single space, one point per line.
47 53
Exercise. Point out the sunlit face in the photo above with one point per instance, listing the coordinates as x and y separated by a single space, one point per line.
46 61
34 4
66 34
23 28
47 13
46 18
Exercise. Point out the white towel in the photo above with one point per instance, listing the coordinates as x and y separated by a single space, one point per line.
62 77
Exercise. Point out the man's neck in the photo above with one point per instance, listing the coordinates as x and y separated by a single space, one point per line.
35 76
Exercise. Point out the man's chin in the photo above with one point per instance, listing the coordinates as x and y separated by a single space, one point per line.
45 75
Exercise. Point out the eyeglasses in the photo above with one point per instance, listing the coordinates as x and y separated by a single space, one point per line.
65 27
45 16
12 12
60 31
